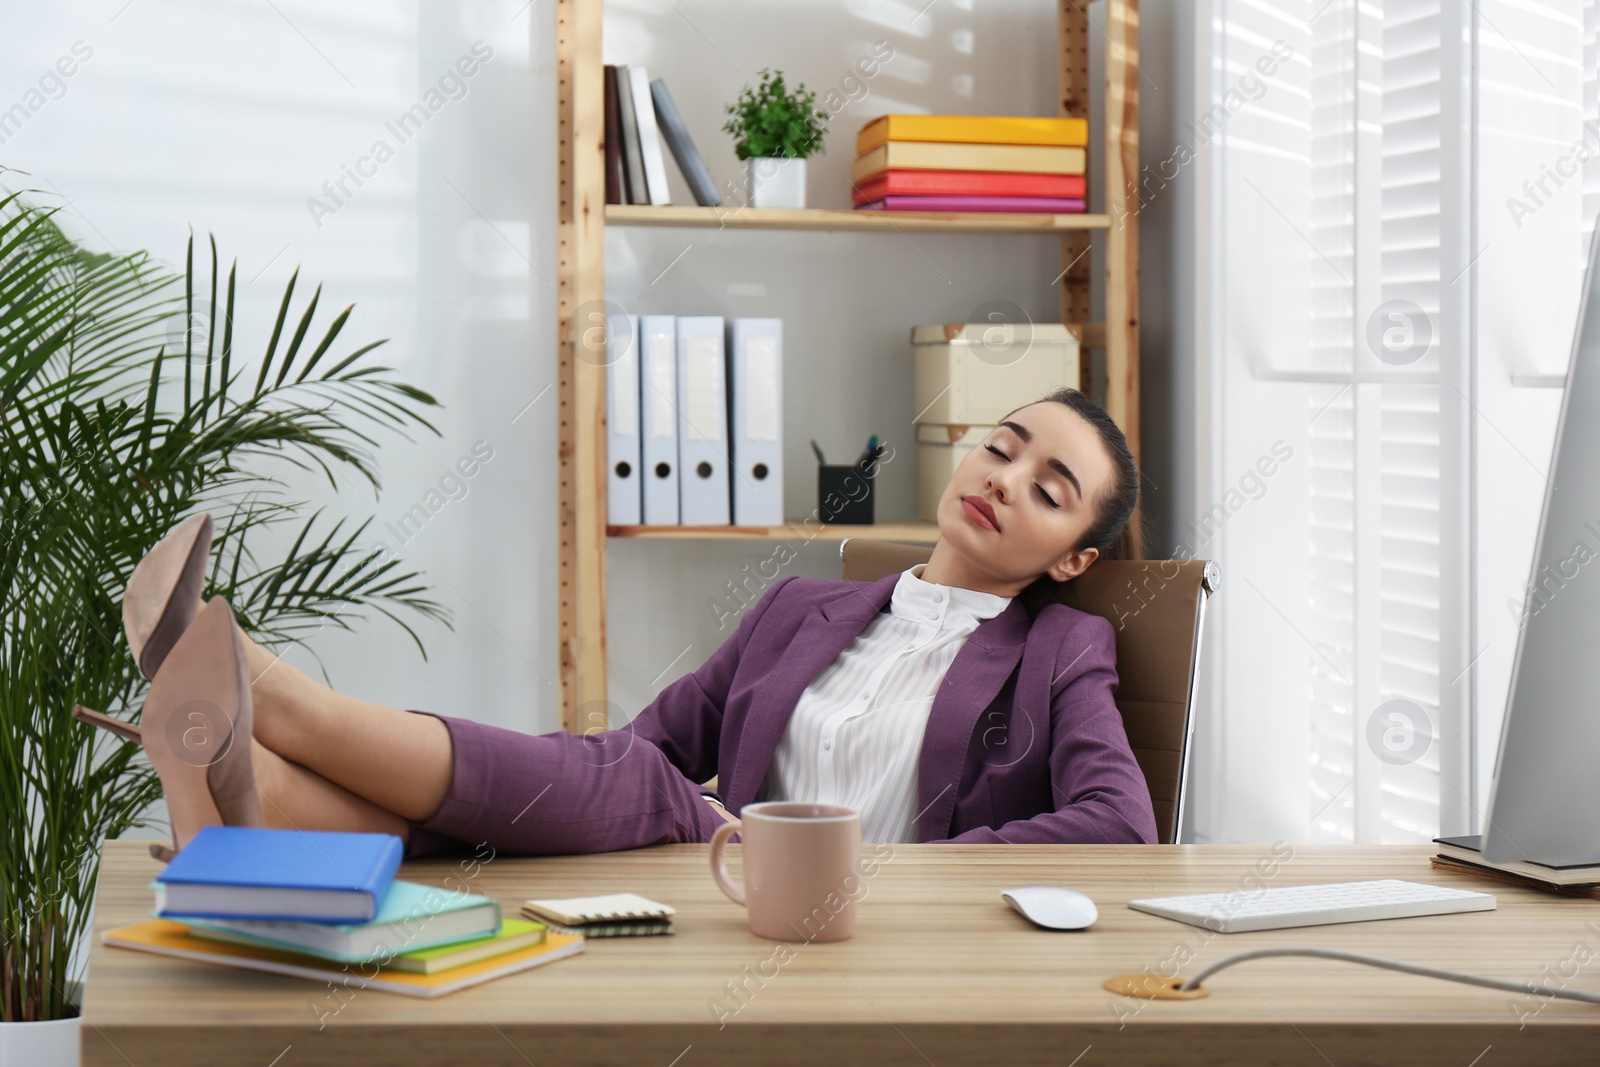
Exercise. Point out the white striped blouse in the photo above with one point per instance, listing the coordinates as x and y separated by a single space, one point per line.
856 732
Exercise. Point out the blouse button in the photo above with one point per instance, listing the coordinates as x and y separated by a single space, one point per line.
827 746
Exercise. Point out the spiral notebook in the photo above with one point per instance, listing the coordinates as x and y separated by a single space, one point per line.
612 915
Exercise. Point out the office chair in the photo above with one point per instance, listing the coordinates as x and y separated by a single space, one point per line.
1161 605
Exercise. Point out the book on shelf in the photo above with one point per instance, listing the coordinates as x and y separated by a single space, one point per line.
676 134
254 872
1049 205
937 155
902 182
165 937
411 918
973 129
616 192
632 156
977 163
1563 871
644 117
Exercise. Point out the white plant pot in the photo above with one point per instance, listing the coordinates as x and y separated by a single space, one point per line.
777 183
52 1044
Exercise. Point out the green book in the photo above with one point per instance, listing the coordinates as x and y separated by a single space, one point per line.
412 918
514 934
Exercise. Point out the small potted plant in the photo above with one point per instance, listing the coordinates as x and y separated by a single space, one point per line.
774 130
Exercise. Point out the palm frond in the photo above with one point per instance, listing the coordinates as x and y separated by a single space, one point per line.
112 431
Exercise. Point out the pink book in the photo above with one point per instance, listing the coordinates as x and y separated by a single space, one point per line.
1047 205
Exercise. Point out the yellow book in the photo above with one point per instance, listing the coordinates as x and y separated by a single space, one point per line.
933 155
973 129
167 938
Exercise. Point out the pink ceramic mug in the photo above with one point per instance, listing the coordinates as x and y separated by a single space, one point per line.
801 877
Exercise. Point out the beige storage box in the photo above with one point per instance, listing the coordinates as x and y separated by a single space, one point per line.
940 449
974 373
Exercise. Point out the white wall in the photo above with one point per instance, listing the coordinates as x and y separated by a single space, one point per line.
229 118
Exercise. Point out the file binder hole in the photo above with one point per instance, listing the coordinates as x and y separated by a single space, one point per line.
663 470
703 469
623 470
759 470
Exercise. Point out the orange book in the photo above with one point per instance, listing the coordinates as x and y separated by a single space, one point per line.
167 938
973 129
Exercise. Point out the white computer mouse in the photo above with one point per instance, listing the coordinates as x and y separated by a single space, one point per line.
1052 906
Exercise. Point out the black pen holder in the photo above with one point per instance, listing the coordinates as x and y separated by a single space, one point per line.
844 494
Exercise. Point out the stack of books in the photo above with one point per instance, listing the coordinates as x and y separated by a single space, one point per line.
327 906
640 116
1577 876
971 163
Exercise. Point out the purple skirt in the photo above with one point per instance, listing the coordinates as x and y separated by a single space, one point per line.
560 794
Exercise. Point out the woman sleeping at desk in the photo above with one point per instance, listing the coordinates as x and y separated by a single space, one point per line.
929 701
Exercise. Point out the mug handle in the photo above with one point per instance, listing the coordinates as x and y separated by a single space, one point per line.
719 863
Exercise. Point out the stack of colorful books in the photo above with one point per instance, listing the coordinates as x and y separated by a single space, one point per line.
971 163
327 906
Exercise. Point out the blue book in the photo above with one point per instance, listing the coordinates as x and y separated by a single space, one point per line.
250 872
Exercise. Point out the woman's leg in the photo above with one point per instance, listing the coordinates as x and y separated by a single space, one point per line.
523 794
394 759
294 798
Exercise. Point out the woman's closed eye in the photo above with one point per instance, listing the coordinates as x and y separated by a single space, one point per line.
1048 499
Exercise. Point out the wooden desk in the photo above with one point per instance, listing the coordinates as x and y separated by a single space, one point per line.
941 972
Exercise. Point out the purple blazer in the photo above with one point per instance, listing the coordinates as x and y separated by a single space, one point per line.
1023 744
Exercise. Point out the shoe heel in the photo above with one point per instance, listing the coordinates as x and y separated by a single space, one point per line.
125 730
128 732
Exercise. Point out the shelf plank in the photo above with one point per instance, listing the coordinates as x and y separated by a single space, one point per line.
804 529
735 218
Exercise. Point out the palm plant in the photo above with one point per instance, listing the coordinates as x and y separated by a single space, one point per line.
112 429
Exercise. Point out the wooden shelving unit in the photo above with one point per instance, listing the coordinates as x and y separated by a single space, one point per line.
734 218
801 529
584 214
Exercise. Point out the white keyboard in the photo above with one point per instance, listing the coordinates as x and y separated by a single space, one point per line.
1314 905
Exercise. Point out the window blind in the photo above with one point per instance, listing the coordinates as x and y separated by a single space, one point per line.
1355 191
1400 241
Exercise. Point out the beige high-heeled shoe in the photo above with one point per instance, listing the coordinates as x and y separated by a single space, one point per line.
196 729
163 594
